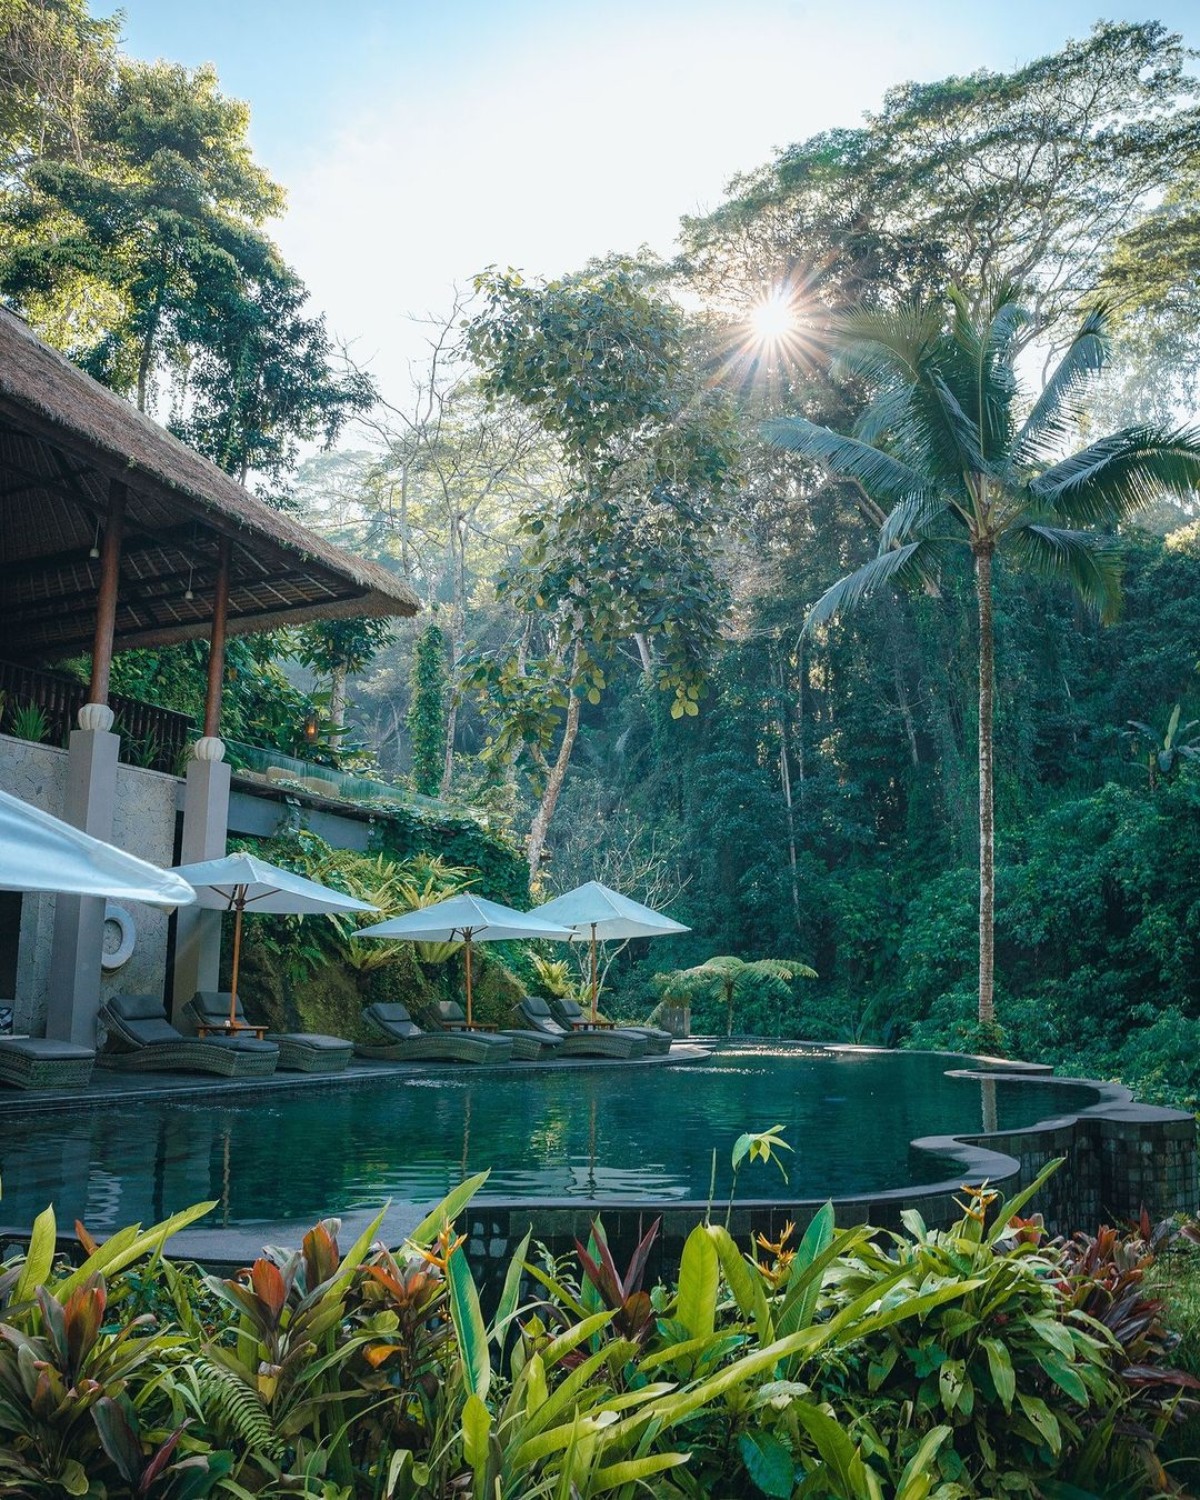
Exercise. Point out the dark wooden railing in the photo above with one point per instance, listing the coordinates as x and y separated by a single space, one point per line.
150 736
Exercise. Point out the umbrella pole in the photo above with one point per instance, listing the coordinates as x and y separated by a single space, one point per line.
470 1016
237 957
595 976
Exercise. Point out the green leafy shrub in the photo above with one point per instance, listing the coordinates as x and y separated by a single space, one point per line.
972 1362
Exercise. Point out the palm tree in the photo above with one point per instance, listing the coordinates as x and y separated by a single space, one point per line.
727 977
953 455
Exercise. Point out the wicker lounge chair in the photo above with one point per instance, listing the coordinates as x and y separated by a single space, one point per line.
299 1051
604 1043
141 1039
400 1039
658 1041
528 1046
36 1062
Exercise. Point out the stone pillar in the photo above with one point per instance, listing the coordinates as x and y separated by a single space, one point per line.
75 970
205 825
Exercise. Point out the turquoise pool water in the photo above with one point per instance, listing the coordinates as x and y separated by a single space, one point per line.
607 1134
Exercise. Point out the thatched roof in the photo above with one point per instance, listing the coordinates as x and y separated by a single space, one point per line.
63 438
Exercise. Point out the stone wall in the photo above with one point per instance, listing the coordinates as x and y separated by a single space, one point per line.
144 823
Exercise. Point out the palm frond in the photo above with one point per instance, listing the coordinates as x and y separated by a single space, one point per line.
881 475
885 344
1120 475
1091 564
910 517
902 565
995 375
1056 412
960 431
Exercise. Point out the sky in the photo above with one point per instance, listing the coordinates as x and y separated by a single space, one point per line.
422 142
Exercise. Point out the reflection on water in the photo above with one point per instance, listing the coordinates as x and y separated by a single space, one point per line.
601 1133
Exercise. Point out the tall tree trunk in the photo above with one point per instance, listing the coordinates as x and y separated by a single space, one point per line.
785 781
554 781
337 698
987 812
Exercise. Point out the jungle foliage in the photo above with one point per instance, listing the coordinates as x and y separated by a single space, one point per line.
979 1360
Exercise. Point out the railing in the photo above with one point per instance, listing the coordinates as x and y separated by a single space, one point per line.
153 737
288 772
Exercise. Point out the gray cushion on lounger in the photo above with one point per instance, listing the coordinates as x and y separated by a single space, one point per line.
140 1021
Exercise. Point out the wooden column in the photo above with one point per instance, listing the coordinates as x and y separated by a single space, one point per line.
106 599
216 650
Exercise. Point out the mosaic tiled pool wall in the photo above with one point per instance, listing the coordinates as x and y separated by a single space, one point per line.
1121 1157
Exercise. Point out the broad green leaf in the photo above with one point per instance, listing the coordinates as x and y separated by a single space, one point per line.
39 1259
1065 1378
916 1481
1054 1334
507 1306
469 1326
633 1471
128 1245
769 1463
1014 1205
699 1280
1043 1420
447 1211
837 1452
476 1427
1000 1366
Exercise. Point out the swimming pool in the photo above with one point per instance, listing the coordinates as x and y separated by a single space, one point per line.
606 1135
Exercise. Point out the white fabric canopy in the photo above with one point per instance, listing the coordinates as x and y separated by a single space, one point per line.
241 880
39 852
593 910
465 917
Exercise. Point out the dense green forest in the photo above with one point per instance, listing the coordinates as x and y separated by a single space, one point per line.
618 568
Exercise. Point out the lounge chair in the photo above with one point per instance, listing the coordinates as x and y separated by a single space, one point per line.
528 1046
141 1039
400 1039
299 1051
540 1017
658 1041
37 1062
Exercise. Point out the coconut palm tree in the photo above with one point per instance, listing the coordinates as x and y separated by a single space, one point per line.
954 455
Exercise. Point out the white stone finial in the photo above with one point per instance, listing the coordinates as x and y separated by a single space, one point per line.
209 747
96 716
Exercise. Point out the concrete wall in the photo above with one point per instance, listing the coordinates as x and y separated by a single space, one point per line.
143 823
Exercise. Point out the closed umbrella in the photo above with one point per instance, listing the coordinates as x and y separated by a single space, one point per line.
594 911
39 852
466 919
241 883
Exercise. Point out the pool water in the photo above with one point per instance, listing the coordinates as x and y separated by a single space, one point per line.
607 1134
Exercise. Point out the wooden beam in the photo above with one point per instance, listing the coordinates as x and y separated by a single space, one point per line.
216 647
106 600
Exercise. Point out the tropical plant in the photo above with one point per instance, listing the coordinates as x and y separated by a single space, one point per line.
28 723
1167 751
946 452
729 979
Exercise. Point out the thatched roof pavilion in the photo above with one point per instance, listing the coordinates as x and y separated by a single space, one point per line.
64 439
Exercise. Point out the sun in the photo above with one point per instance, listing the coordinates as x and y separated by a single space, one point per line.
773 318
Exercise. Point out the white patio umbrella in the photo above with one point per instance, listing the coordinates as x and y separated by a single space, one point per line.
594 911
39 852
240 883
466 919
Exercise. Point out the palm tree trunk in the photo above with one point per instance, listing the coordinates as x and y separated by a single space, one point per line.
987 811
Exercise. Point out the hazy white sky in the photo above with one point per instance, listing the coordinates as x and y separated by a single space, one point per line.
421 143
